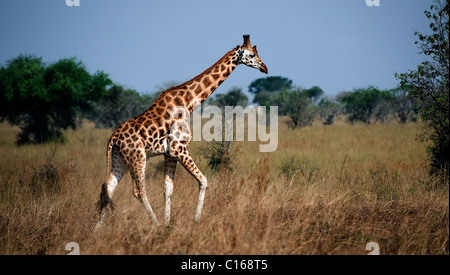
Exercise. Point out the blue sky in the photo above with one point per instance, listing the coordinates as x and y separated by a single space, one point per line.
337 45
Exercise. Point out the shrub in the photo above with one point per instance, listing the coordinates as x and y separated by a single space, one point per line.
429 84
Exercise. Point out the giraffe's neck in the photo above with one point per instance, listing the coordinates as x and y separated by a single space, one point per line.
212 77
193 92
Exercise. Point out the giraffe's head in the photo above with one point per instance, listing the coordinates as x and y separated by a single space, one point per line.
248 55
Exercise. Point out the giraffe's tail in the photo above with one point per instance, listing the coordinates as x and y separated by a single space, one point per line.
105 200
108 156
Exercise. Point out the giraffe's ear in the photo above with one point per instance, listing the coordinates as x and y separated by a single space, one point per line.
246 41
254 48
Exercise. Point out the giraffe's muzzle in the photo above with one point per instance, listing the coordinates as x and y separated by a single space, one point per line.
263 68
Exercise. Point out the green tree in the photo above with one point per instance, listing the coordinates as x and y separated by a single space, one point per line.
367 105
282 100
429 84
404 107
297 105
234 97
118 105
44 100
264 89
314 93
328 110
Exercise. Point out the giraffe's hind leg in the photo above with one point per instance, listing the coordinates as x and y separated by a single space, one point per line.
137 171
118 169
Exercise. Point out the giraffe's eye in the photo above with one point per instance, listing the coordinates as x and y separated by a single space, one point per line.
252 55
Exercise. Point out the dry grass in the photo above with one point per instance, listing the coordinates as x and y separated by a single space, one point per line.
326 190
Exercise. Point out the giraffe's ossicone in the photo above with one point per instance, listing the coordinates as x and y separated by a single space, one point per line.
163 129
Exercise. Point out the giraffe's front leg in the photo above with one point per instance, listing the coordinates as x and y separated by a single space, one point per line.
170 165
188 163
203 183
179 138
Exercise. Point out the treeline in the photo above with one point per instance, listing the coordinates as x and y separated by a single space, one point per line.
118 105
303 106
45 99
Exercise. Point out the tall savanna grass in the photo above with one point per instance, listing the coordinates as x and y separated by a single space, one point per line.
326 190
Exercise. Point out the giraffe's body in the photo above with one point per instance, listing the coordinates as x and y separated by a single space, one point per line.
164 129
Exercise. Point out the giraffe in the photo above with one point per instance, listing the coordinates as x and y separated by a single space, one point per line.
163 129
